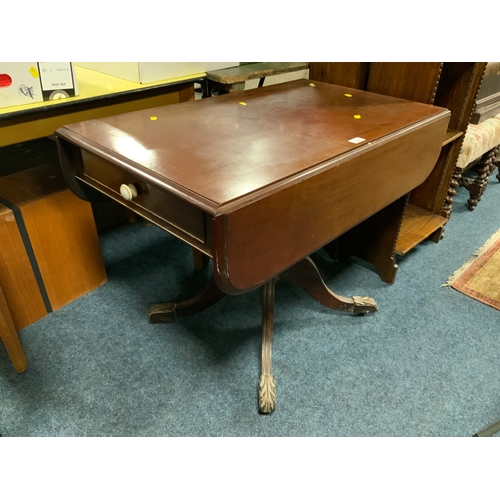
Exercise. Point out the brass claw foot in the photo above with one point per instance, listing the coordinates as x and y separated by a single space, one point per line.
162 313
306 275
363 305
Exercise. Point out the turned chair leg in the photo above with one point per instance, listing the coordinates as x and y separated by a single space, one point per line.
496 162
489 161
477 188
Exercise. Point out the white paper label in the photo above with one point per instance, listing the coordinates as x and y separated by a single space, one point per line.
56 76
356 140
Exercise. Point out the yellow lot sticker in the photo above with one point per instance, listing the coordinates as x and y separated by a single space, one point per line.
243 103
153 118
357 117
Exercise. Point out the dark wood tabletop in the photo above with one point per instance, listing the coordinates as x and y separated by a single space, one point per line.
224 149
282 169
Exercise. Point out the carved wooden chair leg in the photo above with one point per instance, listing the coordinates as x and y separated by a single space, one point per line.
496 162
168 312
476 188
267 384
306 275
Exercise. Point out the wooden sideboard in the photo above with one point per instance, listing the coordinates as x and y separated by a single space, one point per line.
451 85
488 98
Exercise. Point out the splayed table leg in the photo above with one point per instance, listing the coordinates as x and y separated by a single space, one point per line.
306 275
168 312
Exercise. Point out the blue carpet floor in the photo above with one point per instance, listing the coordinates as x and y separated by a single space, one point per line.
426 364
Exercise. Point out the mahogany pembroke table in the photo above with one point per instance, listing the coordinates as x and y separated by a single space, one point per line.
259 180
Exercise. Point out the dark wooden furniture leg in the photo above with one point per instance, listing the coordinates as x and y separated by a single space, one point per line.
496 162
168 312
267 383
477 186
306 275
200 260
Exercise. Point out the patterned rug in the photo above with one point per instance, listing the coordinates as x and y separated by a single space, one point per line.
479 278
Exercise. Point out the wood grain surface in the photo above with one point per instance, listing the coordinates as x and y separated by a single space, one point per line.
62 233
229 146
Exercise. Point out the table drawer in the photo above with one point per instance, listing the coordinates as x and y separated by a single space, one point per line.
161 207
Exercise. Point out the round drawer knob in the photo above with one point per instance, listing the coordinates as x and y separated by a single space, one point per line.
128 191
